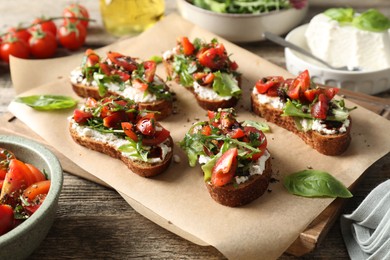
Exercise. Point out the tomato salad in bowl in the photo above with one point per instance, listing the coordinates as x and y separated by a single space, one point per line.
234 156
23 190
32 180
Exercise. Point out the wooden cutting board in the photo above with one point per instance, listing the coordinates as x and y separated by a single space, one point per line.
307 240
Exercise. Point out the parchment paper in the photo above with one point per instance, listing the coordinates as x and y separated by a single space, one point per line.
178 198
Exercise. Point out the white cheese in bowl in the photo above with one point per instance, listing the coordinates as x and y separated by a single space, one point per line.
345 45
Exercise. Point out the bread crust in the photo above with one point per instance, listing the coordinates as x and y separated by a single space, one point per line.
233 196
164 106
206 104
334 144
143 169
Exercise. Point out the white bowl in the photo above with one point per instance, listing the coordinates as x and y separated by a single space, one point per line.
242 27
368 82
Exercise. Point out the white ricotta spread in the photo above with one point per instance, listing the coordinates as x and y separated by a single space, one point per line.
208 93
345 45
275 102
126 91
257 168
113 141
320 127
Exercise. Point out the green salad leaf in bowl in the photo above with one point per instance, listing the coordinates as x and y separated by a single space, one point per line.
248 6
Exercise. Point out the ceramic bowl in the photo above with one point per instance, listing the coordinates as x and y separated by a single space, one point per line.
368 82
242 27
21 241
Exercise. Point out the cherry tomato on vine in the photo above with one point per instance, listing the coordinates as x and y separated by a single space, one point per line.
43 44
71 35
74 11
20 33
15 47
46 25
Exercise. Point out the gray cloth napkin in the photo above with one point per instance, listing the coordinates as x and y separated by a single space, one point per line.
366 231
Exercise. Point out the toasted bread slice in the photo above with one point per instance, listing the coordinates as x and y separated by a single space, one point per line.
141 168
233 196
328 144
163 106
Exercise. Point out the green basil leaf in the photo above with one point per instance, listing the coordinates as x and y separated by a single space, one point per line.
314 183
372 20
47 102
342 15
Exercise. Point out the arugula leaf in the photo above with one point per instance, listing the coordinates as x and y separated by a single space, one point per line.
262 126
134 149
47 102
292 110
208 167
183 67
242 6
225 85
314 183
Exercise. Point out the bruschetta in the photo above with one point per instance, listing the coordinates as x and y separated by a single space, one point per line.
121 75
233 156
204 68
115 126
302 107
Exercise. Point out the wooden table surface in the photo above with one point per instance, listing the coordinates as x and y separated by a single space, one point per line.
95 222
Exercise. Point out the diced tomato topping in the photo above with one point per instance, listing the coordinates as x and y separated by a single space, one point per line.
320 108
80 116
159 137
147 126
236 133
225 168
115 119
91 102
299 85
233 65
128 128
150 70
214 58
264 84
206 130
204 78
188 47
138 84
261 138
91 58
123 75
122 61
331 92
105 69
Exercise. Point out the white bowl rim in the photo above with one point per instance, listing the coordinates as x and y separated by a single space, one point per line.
233 15
54 191
325 69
